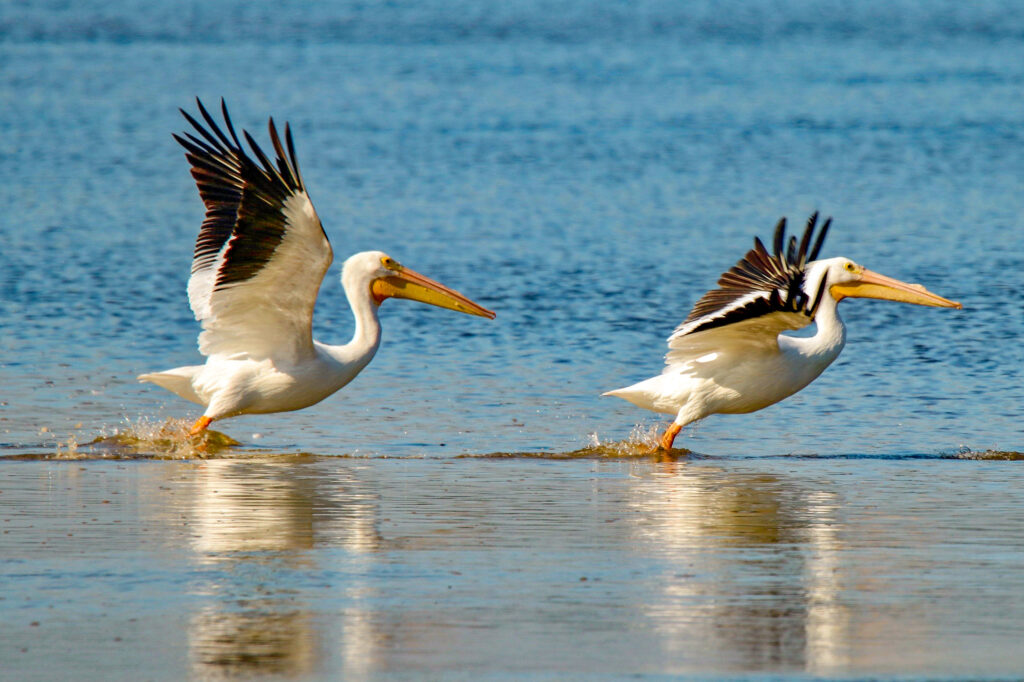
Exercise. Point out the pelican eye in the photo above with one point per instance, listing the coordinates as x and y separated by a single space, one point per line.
390 263
851 267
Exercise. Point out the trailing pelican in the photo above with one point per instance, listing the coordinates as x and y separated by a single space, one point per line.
729 355
259 260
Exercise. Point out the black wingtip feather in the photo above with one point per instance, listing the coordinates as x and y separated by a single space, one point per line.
212 142
227 122
285 161
791 250
806 240
267 165
214 128
780 236
820 240
291 154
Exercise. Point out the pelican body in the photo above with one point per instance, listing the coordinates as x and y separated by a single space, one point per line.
259 260
730 356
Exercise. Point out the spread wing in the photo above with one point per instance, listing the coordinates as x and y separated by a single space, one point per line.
261 253
757 299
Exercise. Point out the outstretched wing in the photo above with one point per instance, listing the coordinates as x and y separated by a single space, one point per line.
261 253
757 298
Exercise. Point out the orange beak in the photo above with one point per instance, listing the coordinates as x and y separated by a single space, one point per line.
406 283
874 285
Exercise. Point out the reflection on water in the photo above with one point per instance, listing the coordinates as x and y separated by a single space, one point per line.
243 511
261 639
828 628
307 567
257 522
760 577
760 574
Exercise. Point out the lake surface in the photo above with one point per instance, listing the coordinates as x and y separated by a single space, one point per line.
321 567
470 506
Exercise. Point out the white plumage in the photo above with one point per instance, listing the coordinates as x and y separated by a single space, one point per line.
259 259
730 354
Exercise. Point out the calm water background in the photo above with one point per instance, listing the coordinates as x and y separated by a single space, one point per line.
586 169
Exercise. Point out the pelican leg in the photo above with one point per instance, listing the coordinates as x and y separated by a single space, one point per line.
200 425
669 436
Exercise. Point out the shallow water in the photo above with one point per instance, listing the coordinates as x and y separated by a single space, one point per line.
586 169
313 567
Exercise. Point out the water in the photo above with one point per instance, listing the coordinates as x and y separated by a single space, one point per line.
320 567
586 169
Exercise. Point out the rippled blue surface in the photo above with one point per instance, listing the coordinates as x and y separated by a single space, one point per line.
586 169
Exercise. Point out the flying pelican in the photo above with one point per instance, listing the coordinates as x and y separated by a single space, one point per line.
259 260
729 356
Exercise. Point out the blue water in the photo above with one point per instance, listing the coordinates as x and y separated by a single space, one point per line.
585 169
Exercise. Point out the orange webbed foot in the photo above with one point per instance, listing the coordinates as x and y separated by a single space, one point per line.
669 436
200 425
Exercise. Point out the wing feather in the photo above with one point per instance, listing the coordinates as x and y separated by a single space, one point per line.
757 299
261 252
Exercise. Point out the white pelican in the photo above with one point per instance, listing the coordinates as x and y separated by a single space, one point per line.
729 356
259 260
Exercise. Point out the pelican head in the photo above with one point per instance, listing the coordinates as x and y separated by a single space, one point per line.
386 278
846 279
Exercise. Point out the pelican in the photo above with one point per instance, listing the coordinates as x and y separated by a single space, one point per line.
259 259
730 357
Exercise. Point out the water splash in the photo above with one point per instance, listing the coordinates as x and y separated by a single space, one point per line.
642 442
168 439
993 455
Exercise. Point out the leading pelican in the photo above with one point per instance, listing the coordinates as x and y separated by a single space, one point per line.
259 260
729 355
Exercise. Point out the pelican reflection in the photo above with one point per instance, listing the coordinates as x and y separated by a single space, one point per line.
749 566
254 525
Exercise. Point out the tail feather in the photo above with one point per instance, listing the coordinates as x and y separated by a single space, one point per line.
635 394
650 394
177 381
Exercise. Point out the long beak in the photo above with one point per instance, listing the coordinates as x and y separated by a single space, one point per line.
410 284
874 285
